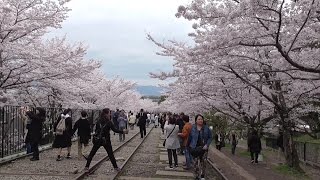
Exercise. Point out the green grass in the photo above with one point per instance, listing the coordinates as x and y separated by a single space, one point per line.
286 170
307 138
244 154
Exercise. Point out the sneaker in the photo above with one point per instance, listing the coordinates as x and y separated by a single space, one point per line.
186 168
117 169
86 169
68 156
170 167
176 165
59 159
252 161
34 159
202 179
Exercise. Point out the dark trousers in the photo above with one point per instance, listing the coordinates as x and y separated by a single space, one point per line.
254 156
29 149
143 131
172 152
233 148
35 150
108 148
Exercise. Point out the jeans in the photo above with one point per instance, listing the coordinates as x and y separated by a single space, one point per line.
188 157
108 148
122 136
172 152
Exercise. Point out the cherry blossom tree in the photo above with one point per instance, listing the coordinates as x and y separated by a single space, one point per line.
23 23
252 60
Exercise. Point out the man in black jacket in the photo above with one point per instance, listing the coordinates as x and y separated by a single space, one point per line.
35 130
142 123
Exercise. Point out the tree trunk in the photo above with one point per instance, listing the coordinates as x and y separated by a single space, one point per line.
290 151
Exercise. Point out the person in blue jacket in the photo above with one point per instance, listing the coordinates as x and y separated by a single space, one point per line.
199 141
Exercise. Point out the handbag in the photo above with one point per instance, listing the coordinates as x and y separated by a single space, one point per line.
164 142
197 151
260 157
98 139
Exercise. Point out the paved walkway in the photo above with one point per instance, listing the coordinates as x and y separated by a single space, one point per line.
238 166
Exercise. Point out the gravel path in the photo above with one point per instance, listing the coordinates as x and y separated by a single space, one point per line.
48 164
145 162
105 170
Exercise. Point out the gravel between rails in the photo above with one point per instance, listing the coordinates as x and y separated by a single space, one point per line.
105 170
145 162
48 164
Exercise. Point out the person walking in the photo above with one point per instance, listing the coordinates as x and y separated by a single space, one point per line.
148 119
280 144
102 138
172 141
234 142
115 119
83 127
180 123
218 140
26 123
122 123
35 130
199 141
63 133
185 135
156 120
142 123
132 121
254 144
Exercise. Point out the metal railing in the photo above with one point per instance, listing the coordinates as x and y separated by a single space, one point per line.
12 127
307 152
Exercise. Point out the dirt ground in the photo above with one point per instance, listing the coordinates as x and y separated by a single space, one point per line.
263 170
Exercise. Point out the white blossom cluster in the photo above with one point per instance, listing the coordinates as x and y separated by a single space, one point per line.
254 61
52 73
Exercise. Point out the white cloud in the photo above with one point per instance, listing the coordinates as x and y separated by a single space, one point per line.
116 32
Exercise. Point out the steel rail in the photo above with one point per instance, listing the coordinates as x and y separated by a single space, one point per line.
222 176
131 155
94 167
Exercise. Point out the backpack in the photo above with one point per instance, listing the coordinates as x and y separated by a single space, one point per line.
61 127
98 138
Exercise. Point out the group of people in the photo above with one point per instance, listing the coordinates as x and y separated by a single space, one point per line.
195 138
191 140
64 131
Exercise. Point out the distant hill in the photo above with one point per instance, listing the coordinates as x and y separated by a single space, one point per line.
149 90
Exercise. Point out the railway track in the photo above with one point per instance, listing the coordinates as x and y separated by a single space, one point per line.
213 167
131 156
49 168
102 169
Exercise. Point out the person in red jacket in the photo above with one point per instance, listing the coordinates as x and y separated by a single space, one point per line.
184 135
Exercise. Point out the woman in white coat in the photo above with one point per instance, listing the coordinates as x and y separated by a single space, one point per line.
172 141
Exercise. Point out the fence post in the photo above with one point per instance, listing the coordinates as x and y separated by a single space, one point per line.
2 131
304 151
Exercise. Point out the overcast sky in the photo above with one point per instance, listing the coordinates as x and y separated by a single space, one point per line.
115 31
